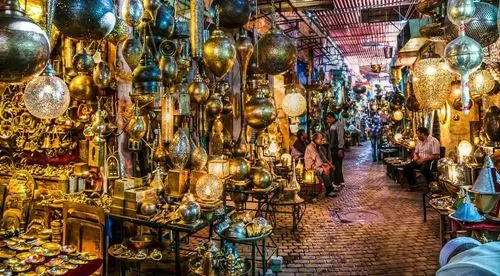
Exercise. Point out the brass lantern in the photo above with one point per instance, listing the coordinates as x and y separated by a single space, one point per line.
481 82
431 81
233 13
132 12
85 20
198 89
276 52
25 47
219 53
131 51
260 112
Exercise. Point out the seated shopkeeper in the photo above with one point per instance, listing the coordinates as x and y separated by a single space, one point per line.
315 159
426 151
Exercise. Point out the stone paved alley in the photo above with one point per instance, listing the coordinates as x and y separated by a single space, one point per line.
390 239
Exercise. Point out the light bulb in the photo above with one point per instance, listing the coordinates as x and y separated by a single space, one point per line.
464 148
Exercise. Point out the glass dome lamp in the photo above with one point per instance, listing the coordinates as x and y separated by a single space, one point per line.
47 96
464 149
398 137
294 103
209 188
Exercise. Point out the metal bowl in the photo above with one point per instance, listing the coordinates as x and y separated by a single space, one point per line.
141 242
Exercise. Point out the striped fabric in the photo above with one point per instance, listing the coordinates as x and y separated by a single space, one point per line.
428 147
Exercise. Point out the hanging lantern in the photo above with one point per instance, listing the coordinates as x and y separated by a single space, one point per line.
219 53
481 82
179 150
233 13
132 12
82 88
46 96
459 106
431 82
131 51
198 89
276 52
119 33
397 115
85 20
460 11
492 124
214 105
397 101
388 51
102 75
196 26
294 104
146 79
464 55
482 27
259 112
25 49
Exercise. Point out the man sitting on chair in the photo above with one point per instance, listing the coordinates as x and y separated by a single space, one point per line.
427 150
316 160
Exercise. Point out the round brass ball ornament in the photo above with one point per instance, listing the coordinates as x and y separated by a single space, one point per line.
198 90
214 105
276 52
119 33
84 19
132 12
82 88
239 168
261 178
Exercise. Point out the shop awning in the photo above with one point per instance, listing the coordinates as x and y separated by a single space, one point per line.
405 61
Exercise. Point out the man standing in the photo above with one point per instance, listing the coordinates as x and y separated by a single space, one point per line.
427 150
336 146
316 161
299 147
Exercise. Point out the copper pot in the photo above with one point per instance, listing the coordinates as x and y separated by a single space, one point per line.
25 47
219 53
85 20
277 53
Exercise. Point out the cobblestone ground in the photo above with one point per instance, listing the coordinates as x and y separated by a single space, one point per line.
391 238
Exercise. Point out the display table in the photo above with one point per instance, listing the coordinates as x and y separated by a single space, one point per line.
298 209
262 197
176 230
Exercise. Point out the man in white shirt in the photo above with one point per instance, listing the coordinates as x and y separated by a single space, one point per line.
427 150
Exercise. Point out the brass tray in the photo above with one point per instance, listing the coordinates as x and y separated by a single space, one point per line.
7 253
57 270
35 259
20 267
